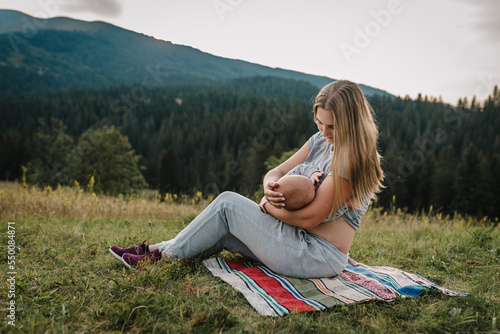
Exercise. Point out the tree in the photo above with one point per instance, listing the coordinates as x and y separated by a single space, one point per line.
468 181
48 167
169 173
443 181
424 184
108 156
490 195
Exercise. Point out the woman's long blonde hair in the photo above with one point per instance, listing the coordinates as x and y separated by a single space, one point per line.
355 152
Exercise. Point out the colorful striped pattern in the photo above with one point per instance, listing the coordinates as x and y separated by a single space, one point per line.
274 295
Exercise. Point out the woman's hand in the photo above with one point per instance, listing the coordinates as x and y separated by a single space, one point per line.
273 197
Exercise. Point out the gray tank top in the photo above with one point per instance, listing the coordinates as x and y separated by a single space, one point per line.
320 156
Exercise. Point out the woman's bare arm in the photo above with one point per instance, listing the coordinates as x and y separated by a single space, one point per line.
315 212
271 192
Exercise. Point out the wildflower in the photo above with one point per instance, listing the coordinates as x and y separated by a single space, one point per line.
90 186
24 177
95 197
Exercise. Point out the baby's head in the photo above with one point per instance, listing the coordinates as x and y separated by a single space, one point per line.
298 191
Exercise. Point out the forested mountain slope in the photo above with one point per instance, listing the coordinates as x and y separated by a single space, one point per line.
59 53
200 122
216 137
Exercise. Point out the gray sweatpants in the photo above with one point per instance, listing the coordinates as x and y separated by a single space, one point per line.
237 224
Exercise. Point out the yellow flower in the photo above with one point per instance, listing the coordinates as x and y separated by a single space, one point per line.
90 186
24 176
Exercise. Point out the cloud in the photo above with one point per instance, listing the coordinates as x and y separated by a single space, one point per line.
488 19
484 17
108 8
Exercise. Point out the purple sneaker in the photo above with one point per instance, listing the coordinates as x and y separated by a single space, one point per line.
131 260
139 249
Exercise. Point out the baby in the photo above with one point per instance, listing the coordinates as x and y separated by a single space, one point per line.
298 186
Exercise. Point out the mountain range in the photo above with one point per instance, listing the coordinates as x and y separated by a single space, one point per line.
37 55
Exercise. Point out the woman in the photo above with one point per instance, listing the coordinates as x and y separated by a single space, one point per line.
310 242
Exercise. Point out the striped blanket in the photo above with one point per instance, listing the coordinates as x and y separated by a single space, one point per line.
274 295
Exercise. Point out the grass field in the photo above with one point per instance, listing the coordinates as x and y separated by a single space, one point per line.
66 280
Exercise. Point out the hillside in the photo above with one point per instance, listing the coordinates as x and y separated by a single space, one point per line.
58 53
69 281
216 120
218 137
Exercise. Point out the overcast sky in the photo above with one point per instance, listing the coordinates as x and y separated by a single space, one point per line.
447 48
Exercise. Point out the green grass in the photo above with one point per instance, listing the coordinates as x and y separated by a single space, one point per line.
68 282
